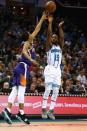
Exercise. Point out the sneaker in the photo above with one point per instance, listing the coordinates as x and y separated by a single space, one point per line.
44 114
51 115
22 118
7 116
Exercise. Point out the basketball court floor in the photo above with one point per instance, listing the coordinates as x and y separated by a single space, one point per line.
38 125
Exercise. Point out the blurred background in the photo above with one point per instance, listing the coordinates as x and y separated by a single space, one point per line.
17 16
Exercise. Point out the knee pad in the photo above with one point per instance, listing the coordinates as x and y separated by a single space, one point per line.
55 93
13 95
48 88
21 93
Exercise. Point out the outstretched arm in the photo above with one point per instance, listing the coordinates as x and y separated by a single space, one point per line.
49 33
61 34
38 27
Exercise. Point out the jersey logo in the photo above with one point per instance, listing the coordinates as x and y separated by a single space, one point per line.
55 50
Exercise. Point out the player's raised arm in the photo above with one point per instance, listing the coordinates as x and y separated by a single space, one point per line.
61 34
49 33
38 27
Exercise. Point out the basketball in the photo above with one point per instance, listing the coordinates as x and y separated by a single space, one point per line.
50 6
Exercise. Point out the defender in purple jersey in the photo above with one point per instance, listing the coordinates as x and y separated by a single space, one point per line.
20 75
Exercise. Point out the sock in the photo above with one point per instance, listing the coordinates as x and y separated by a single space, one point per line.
9 109
21 112
44 104
52 105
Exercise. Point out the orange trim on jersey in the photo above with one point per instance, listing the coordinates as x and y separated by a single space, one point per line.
22 80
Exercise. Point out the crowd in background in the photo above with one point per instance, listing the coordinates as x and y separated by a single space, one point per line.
74 62
79 3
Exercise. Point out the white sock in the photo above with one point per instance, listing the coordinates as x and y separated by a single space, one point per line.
21 112
9 109
52 105
44 104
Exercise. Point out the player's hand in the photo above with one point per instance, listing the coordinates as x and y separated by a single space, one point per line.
61 23
50 18
44 16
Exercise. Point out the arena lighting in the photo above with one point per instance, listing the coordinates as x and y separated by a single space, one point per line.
69 6
22 8
14 7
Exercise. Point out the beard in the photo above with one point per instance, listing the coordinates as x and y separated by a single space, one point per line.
55 43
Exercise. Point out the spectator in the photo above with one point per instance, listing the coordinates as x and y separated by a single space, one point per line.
33 88
82 78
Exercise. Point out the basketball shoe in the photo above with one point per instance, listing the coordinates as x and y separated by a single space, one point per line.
51 115
22 118
44 114
7 116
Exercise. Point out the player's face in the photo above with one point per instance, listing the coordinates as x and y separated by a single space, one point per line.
54 38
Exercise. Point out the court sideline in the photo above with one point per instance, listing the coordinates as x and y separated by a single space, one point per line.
77 125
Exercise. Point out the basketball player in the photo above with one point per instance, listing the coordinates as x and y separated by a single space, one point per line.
52 71
20 74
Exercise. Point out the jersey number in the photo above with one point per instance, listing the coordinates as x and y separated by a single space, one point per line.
56 59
